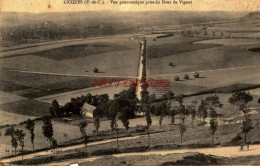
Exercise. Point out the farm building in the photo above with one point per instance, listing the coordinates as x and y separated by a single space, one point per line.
87 110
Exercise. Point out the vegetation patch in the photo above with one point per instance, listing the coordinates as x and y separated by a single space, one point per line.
198 159
255 49
27 107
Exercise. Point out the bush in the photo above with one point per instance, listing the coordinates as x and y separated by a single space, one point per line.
176 78
196 75
95 70
198 159
201 123
186 76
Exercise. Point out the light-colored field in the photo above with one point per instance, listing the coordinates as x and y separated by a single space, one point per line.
9 98
230 42
12 118
218 77
245 26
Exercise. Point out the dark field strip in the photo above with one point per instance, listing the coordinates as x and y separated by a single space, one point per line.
76 51
8 86
38 85
27 107
168 49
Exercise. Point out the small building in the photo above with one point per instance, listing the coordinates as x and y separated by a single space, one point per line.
87 110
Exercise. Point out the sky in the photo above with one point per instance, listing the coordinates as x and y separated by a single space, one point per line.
38 6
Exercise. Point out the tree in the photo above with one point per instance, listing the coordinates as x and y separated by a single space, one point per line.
96 124
55 109
30 127
259 100
241 100
19 134
54 145
246 127
145 106
168 95
211 104
82 127
47 128
202 111
192 111
172 113
186 76
95 70
10 131
182 129
176 78
196 75
170 64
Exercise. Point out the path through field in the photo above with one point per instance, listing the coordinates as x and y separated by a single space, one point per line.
49 152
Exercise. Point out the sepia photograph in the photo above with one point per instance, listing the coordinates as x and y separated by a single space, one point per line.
129 82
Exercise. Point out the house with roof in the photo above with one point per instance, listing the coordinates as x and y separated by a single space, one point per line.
87 110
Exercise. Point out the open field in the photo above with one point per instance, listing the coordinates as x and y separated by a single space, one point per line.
9 98
118 56
203 59
12 118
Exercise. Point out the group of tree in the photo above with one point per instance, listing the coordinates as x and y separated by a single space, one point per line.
76 104
17 138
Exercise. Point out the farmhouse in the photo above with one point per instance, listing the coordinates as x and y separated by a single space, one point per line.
87 110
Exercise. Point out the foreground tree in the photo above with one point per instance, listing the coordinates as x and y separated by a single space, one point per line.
19 134
30 127
212 103
246 127
145 106
11 132
241 100
202 111
47 128
82 127
182 129
54 145
96 124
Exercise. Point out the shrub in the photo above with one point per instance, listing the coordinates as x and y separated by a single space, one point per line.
196 75
95 70
201 123
186 76
176 78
